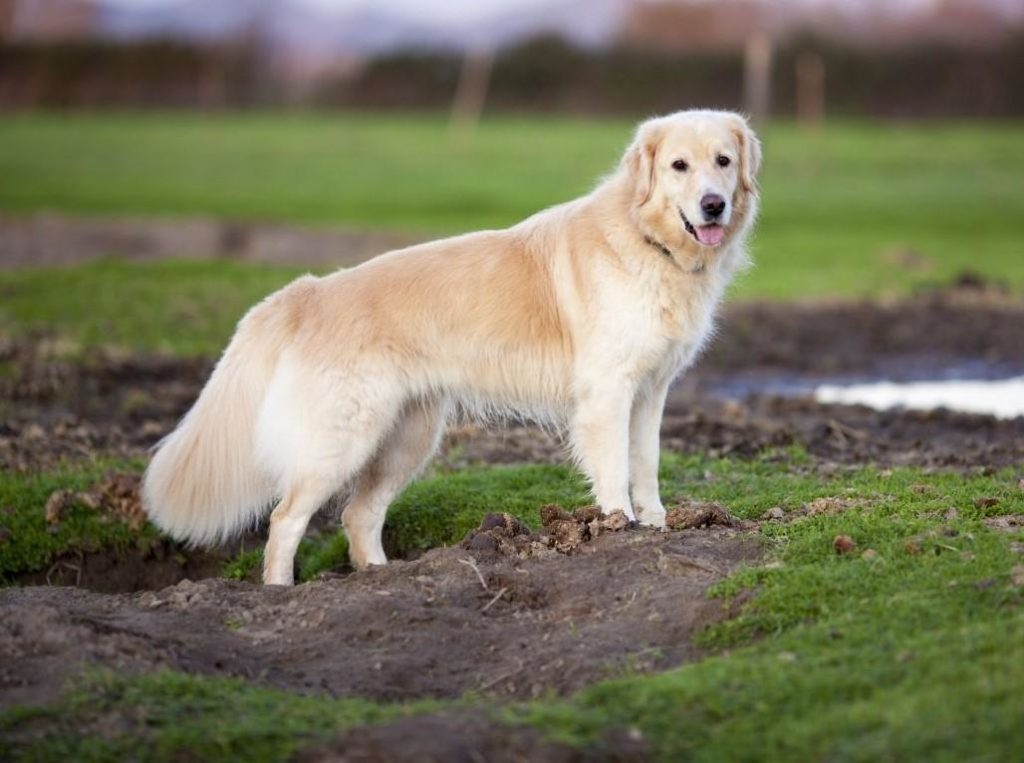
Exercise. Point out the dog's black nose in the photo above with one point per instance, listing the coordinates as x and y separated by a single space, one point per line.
713 205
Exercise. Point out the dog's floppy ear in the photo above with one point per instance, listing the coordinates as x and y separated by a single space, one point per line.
750 154
640 161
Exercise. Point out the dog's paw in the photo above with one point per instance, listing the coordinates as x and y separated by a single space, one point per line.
651 517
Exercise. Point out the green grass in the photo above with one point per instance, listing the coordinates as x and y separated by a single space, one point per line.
32 544
914 654
185 308
179 717
436 511
836 205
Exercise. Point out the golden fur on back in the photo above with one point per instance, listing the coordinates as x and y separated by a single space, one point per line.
580 316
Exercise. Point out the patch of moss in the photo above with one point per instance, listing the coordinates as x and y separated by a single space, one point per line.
31 543
172 716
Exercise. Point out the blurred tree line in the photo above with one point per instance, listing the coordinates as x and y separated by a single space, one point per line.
542 75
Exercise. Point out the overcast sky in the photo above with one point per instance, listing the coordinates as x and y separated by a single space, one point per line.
470 11
464 9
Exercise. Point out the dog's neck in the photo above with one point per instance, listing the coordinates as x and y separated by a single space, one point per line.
699 267
616 194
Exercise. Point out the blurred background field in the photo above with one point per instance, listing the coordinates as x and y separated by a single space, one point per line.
893 141
853 209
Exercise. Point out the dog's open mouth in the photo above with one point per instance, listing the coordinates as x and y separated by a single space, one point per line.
708 235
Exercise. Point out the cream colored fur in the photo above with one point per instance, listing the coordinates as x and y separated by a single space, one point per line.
580 316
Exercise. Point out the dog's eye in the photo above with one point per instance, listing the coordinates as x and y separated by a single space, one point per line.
680 165
723 161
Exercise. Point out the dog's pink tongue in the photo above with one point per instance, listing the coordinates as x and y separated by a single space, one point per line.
710 235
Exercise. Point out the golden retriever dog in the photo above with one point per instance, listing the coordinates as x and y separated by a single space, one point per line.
580 316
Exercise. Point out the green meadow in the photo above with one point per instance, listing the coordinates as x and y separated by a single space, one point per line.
857 209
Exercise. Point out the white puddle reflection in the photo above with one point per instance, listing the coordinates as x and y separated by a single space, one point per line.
1003 398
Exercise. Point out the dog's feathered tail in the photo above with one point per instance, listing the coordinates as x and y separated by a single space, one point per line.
204 483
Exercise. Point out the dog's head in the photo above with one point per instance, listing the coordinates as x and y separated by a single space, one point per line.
694 175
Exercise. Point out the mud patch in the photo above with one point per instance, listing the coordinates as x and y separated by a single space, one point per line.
50 239
54 408
621 602
970 319
58 407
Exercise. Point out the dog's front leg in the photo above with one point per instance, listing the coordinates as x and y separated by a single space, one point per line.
644 452
600 438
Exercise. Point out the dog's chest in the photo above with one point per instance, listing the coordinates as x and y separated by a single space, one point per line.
656 325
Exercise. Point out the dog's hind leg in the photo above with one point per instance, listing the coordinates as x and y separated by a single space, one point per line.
403 453
317 437
288 524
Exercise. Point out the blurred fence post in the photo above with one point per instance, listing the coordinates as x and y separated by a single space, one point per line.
757 76
810 90
471 92
212 87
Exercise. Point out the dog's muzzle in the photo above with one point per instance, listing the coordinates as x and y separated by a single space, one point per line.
710 234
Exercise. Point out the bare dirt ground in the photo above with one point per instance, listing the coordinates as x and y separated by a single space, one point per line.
550 613
499 616
47 239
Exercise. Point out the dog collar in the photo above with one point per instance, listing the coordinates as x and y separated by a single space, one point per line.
668 253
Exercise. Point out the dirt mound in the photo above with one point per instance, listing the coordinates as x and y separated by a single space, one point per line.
699 514
561 532
456 620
